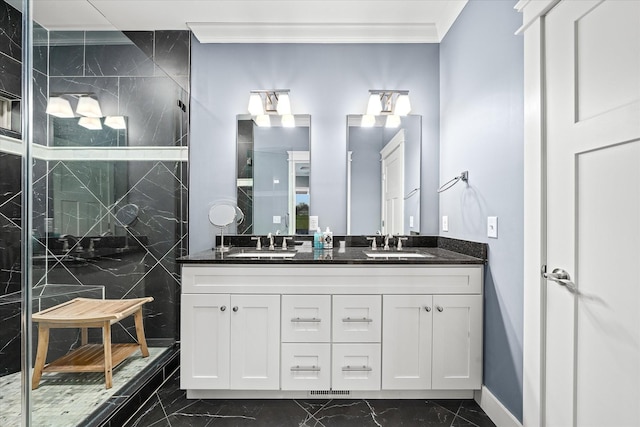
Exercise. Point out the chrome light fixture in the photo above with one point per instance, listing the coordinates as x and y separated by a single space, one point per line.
388 102
59 107
88 107
115 122
91 123
393 121
274 101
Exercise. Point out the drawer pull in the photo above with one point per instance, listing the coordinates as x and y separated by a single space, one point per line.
356 368
299 368
306 319
357 319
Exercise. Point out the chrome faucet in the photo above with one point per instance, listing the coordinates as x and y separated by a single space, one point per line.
258 242
270 237
284 242
374 246
400 239
386 241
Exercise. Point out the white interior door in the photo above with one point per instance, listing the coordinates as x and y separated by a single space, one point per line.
592 373
392 155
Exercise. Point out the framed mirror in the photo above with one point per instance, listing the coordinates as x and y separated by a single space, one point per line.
383 176
273 169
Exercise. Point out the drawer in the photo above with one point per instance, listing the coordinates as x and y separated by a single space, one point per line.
306 366
357 318
306 318
355 367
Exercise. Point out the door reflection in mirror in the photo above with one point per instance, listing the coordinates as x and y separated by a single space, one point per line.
383 176
273 169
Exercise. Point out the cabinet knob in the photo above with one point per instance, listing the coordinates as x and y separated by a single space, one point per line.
427 308
223 308
440 309
235 308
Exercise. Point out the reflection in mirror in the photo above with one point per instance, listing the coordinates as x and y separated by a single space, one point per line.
67 132
273 168
383 176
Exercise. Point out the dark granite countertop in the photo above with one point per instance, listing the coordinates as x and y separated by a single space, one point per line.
434 250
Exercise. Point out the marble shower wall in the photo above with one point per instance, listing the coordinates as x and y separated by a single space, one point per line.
143 81
143 76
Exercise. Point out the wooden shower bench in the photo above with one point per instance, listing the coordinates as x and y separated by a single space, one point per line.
87 313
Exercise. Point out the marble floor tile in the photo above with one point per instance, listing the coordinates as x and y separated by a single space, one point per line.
169 407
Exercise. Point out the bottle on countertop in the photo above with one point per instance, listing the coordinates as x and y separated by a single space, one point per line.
327 239
317 239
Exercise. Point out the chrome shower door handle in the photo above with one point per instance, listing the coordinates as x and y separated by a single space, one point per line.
561 277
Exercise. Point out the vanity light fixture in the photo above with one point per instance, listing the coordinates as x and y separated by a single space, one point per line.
59 107
288 121
91 123
393 121
273 101
263 120
88 107
394 102
115 122
368 121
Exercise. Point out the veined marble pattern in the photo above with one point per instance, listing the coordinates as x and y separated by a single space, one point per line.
66 399
169 407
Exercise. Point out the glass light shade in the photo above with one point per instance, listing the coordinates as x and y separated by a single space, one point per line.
393 121
115 122
403 105
368 121
284 104
59 107
263 121
255 105
88 107
92 123
374 107
288 121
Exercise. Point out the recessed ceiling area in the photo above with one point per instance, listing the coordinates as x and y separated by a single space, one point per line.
261 21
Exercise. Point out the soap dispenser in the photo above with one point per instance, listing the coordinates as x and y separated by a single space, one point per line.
327 239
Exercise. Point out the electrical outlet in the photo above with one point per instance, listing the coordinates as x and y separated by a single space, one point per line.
492 227
277 219
445 223
411 221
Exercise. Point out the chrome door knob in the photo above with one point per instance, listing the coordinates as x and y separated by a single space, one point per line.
440 309
427 309
235 308
223 308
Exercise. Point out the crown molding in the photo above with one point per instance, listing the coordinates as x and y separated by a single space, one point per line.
222 32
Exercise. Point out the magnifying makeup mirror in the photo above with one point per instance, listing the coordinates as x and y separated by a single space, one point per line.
127 216
221 215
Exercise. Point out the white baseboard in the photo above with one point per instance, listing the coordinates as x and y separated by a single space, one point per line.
500 415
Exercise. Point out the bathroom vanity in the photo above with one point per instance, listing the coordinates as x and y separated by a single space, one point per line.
337 323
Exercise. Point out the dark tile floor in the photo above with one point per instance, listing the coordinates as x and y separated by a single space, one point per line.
170 407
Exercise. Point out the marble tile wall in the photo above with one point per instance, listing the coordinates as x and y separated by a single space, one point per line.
141 76
10 194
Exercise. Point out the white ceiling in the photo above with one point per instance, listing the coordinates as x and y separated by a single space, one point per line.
250 21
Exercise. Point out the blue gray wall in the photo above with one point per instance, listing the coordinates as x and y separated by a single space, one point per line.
482 101
326 81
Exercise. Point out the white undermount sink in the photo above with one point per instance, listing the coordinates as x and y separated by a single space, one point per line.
264 254
397 255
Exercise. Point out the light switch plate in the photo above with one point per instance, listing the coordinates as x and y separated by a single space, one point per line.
411 221
445 223
492 227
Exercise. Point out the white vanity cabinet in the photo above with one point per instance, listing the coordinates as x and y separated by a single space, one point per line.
371 331
230 342
432 342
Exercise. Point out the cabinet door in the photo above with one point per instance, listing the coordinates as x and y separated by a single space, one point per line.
457 342
406 342
255 342
357 318
306 318
204 358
